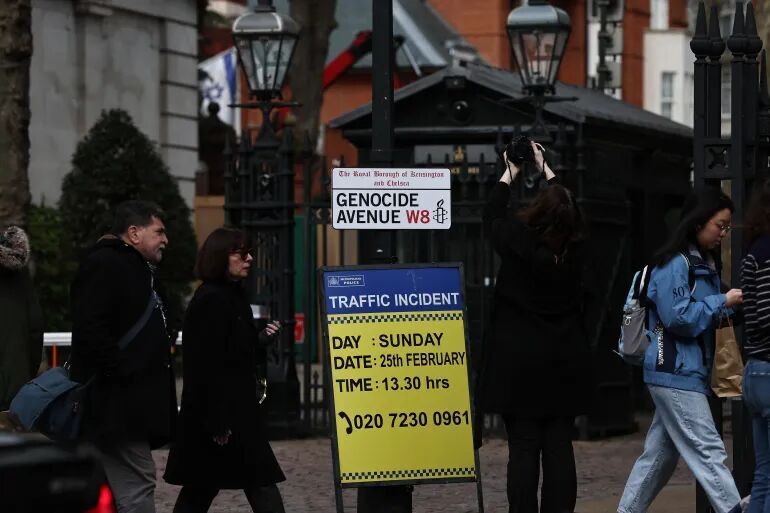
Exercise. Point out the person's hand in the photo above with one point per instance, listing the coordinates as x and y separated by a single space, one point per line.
267 335
538 150
223 438
272 328
510 170
734 297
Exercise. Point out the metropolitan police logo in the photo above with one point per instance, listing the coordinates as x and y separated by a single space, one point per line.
352 280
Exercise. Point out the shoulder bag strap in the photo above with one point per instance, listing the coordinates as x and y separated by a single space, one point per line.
130 334
137 327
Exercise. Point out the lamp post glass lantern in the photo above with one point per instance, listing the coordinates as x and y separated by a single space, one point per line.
538 33
265 41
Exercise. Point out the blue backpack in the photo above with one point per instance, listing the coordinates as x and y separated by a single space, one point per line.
52 403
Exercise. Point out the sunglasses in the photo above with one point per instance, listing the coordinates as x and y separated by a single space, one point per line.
243 252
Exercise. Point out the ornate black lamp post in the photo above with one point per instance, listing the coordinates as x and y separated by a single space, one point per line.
265 40
259 198
538 33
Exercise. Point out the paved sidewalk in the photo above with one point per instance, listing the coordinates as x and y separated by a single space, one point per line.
602 470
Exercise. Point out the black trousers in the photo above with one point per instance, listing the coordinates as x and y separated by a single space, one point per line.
529 441
197 499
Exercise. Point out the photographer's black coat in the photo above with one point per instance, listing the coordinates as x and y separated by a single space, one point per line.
535 360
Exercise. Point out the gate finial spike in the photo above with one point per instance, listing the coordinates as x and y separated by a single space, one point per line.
716 46
751 23
738 42
753 40
739 22
700 21
714 31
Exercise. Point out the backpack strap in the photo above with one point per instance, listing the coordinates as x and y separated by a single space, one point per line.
640 288
690 272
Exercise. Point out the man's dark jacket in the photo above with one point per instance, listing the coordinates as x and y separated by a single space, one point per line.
132 396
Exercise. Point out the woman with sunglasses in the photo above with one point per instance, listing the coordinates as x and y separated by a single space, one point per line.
221 441
685 304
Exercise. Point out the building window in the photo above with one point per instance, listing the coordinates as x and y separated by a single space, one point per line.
659 14
667 94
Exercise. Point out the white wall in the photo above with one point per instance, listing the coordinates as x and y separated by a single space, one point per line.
669 51
138 55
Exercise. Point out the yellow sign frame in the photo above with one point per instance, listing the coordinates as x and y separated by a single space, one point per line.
401 390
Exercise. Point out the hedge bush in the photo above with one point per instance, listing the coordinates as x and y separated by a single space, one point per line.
117 162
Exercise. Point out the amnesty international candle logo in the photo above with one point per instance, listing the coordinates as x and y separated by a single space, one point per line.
399 367
440 213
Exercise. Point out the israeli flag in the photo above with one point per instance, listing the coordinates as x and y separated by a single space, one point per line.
218 82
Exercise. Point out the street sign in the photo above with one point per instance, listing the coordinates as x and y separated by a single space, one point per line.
398 356
391 198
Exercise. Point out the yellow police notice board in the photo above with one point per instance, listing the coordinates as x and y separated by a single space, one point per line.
397 354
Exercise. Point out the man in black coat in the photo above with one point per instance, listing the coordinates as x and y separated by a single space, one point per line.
131 403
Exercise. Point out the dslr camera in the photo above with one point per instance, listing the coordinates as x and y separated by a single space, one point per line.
519 150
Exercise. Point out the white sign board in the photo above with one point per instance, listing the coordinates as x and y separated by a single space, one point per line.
391 198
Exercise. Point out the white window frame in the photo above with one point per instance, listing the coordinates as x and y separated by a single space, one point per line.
667 93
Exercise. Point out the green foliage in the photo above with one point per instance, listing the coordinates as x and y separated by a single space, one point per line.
54 267
116 162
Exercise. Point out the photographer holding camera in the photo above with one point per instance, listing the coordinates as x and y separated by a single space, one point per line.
535 364
221 441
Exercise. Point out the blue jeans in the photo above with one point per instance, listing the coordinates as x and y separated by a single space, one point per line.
682 425
756 393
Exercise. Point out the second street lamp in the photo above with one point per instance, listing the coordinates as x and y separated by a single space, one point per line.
538 33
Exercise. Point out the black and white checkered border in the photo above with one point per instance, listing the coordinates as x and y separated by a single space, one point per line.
401 317
409 474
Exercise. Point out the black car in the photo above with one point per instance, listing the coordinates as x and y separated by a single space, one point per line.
38 475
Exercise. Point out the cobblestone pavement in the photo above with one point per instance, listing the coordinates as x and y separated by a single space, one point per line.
602 470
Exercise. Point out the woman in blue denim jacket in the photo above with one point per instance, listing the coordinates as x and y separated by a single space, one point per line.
677 363
755 280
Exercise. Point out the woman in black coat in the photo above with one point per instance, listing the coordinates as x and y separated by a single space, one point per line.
221 441
535 368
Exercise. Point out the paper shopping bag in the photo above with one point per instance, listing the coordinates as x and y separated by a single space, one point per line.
727 371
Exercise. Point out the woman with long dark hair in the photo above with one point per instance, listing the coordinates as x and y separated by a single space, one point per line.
685 305
756 308
535 368
221 441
